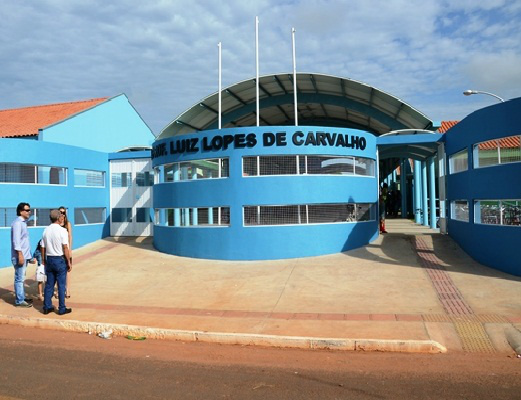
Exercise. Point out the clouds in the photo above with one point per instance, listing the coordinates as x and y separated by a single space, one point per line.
163 54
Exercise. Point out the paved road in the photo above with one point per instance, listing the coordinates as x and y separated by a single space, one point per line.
44 364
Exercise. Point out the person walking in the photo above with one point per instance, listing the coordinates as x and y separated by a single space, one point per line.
56 258
20 253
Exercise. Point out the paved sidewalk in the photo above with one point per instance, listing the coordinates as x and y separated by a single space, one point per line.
410 290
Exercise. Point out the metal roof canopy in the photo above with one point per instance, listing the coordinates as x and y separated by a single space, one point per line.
409 143
323 100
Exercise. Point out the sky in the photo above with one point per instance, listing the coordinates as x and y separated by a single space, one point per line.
163 53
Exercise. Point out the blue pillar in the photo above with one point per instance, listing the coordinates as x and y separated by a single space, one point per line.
195 219
177 217
417 191
432 190
403 188
210 216
425 204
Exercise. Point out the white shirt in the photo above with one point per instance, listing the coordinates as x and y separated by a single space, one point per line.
54 237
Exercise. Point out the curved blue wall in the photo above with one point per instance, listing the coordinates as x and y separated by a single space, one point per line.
238 242
493 245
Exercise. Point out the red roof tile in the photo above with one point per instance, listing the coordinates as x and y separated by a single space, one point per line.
26 121
446 125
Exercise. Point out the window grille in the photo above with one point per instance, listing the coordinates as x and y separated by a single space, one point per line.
91 215
7 216
308 214
460 210
193 216
32 174
498 212
84 177
459 162
197 169
307 165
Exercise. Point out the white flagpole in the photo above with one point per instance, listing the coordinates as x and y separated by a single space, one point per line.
220 82
257 65
294 76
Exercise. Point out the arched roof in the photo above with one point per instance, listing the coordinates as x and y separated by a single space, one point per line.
323 100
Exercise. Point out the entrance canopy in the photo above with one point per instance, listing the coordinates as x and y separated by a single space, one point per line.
417 144
323 100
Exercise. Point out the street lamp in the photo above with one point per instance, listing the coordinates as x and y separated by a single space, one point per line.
470 92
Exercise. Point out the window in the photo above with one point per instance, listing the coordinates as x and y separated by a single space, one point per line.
85 177
308 214
307 165
121 179
197 169
144 215
145 178
32 174
498 212
40 217
460 210
92 215
121 215
193 217
497 151
7 216
459 162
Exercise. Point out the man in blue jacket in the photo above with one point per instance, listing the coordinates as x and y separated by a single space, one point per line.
20 253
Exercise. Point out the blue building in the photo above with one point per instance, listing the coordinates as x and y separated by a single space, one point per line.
282 189
60 155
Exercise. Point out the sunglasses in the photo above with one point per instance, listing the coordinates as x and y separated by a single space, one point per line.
27 209
63 212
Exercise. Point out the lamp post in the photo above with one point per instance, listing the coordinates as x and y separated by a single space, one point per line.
471 92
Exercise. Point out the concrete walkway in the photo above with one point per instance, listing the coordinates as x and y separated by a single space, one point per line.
410 290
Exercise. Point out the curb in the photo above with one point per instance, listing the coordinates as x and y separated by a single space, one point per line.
244 339
514 339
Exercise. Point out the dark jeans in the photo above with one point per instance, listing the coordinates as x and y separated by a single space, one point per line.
56 270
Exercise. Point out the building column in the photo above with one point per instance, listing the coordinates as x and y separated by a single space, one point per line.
403 186
417 191
432 190
425 204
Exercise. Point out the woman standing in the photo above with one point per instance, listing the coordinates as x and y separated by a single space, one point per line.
67 225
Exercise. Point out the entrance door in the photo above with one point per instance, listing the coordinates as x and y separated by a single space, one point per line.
131 197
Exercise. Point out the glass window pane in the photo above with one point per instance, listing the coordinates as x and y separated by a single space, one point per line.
121 179
487 153
510 149
143 215
511 212
91 215
7 216
488 212
460 210
458 162
364 166
83 177
121 215
145 178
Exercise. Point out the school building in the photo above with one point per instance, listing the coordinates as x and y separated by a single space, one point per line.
278 190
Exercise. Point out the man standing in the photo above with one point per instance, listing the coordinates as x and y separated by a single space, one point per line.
20 253
56 258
